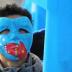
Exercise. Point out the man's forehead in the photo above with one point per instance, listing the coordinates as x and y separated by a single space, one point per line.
16 20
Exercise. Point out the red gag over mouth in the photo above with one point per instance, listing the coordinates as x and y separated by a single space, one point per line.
17 50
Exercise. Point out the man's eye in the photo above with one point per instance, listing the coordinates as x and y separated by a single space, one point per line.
22 31
6 31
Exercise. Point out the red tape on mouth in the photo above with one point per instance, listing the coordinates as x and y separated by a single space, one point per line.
16 50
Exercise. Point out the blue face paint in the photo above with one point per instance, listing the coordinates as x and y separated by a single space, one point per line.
18 32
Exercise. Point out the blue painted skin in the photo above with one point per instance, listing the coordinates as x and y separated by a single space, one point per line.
14 36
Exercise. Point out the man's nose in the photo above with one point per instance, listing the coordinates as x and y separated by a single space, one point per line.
14 36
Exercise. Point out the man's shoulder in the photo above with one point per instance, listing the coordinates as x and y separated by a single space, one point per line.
36 63
35 58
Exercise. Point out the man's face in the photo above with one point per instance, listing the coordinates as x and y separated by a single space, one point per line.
15 37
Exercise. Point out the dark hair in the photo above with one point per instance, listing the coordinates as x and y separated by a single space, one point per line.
14 10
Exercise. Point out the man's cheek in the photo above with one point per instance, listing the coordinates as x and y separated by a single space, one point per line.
3 40
27 40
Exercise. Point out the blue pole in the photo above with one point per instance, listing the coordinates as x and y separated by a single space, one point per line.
58 39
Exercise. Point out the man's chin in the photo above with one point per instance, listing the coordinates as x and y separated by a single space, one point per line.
3 58
8 63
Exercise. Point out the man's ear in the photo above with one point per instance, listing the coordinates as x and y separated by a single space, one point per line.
3 3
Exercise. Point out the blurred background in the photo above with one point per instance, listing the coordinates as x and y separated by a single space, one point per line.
38 11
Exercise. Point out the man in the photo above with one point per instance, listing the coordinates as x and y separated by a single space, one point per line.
15 41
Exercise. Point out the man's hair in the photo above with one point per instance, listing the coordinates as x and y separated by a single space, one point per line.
14 10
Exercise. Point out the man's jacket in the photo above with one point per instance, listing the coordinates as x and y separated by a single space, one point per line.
33 65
